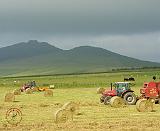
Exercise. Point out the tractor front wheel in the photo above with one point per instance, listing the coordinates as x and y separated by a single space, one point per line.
107 100
130 98
102 99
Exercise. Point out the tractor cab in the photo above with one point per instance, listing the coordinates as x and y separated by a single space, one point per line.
121 87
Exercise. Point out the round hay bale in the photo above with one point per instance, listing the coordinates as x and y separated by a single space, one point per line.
70 106
9 97
17 92
48 93
29 91
144 105
61 116
100 90
51 86
117 102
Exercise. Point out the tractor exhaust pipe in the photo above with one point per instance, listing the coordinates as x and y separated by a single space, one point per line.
111 86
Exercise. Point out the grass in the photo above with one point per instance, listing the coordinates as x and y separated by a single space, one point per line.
38 111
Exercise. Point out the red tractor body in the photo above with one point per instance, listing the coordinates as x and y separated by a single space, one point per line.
110 93
121 89
150 90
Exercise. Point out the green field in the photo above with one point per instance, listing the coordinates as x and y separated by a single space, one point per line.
38 111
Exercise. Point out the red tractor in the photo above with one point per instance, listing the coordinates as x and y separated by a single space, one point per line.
151 90
121 89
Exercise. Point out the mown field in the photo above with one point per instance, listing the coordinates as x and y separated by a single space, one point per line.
38 111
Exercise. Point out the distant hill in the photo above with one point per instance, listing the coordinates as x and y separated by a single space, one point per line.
39 58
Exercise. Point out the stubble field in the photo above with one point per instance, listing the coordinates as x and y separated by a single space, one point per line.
38 111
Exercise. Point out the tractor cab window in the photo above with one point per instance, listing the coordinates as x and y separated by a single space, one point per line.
122 86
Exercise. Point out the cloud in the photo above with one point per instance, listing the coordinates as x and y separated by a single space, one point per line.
128 27
142 46
78 16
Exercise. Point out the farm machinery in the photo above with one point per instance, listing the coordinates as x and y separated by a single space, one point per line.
149 94
121 89
32 85
151 90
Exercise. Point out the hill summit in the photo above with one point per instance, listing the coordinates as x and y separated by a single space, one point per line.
39 58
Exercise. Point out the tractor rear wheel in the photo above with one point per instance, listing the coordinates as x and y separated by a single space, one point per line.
130 98
107 100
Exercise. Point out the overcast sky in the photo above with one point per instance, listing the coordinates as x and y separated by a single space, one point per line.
128 27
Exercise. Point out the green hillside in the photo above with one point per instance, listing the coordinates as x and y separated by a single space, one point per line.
38 58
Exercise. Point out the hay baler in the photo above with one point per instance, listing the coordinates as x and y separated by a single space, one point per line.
150 94
32 85
151 90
